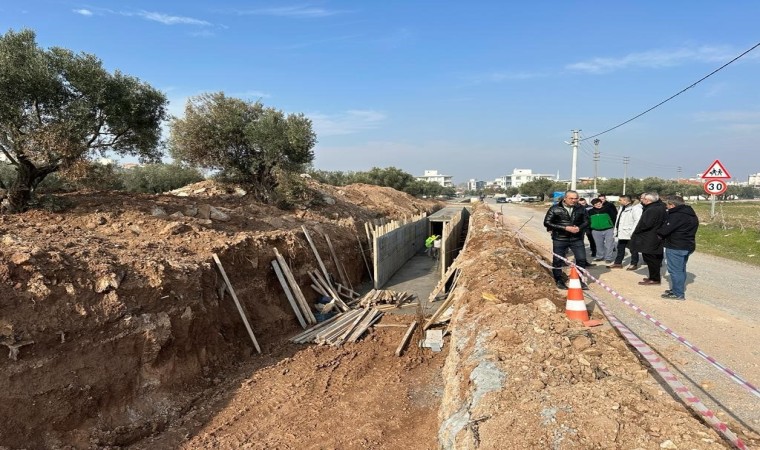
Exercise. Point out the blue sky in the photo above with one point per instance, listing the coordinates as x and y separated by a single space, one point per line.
472 89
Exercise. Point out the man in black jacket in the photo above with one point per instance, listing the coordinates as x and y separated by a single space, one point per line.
644 238
678 235
567 221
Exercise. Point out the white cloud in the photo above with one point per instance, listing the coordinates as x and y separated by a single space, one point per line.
349 122
83 12
291 11
170 20
655 59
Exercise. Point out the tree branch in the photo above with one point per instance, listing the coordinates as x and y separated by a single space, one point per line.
8 155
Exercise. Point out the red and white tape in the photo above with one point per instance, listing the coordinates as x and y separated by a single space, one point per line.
662 369
731 374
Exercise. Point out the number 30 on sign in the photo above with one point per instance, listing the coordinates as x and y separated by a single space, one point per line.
715 186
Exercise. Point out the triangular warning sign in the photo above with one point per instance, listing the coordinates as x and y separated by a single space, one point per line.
716 170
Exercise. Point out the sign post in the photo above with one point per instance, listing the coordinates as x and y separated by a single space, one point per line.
715 184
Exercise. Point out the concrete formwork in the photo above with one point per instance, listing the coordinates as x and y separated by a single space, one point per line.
394 244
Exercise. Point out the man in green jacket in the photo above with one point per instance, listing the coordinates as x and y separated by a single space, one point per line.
603 229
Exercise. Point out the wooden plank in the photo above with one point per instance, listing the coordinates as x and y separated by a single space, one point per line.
291 300
308 315
349 331
309 334
338 266
363 325
319 290
334 295
237 302
316 253
406 337
364 257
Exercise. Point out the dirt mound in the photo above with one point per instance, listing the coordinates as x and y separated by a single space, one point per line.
517 363
111 309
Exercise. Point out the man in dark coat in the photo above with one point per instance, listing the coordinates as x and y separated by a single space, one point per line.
567 221
644 238
678 235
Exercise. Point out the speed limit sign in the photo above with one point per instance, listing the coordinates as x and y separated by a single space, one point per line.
715 186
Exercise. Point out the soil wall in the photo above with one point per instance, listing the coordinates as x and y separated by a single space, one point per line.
111 310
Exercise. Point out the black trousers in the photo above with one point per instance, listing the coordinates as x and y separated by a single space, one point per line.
654 263
560 248
621 246
591 242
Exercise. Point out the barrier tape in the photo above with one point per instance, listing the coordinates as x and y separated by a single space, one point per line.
659 365
731 374
653 358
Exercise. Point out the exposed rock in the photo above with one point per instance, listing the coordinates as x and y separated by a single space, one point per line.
111 280
158 211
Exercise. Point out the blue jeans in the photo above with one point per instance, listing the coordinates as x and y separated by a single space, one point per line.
676 260
560 248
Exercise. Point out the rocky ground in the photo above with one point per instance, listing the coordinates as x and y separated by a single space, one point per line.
118 338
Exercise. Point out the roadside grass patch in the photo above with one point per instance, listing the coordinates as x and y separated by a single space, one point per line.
733 233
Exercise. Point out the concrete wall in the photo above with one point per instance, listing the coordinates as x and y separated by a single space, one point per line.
394 248
452 231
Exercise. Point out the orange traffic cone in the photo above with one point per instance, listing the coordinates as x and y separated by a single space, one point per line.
575 308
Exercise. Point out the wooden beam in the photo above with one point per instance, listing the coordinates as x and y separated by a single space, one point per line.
308 315
364 257
316 253
338 266
406 337
237 302
291 300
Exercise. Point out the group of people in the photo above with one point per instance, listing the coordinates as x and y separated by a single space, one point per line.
655 228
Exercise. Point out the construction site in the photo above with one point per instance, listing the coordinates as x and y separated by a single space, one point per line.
202 319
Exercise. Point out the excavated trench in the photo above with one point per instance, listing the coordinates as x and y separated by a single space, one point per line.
157 360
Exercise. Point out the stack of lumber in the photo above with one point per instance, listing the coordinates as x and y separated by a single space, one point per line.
342 328
386 299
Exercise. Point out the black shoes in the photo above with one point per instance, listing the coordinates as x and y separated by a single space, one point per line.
671 296
561 285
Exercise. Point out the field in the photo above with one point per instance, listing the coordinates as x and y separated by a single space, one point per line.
734 231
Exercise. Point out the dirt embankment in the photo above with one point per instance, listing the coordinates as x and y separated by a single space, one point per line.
111 313
520 375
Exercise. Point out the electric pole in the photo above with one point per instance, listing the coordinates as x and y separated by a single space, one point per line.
573 175
596 163
678 169
625 171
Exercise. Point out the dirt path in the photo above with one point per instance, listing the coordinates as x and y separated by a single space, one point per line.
720 317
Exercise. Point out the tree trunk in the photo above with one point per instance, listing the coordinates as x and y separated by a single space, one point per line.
27 178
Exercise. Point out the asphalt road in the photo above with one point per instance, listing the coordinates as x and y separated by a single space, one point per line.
721 316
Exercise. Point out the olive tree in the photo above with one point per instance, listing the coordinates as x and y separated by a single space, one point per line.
243 141
58 108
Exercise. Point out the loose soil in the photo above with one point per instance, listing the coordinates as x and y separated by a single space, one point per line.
122 340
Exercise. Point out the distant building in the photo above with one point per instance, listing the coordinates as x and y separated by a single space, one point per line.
518 177
754 180
432 176
130 165
475 185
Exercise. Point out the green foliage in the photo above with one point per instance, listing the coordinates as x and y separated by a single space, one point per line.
294 191
542 187
389 177
157 178
58 108
244 141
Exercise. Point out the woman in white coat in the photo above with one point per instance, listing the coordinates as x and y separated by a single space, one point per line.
627 218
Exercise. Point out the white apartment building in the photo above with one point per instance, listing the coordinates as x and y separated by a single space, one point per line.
518 177
432 176
475 185
754 179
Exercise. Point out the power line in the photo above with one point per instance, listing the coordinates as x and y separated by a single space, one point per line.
677 94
